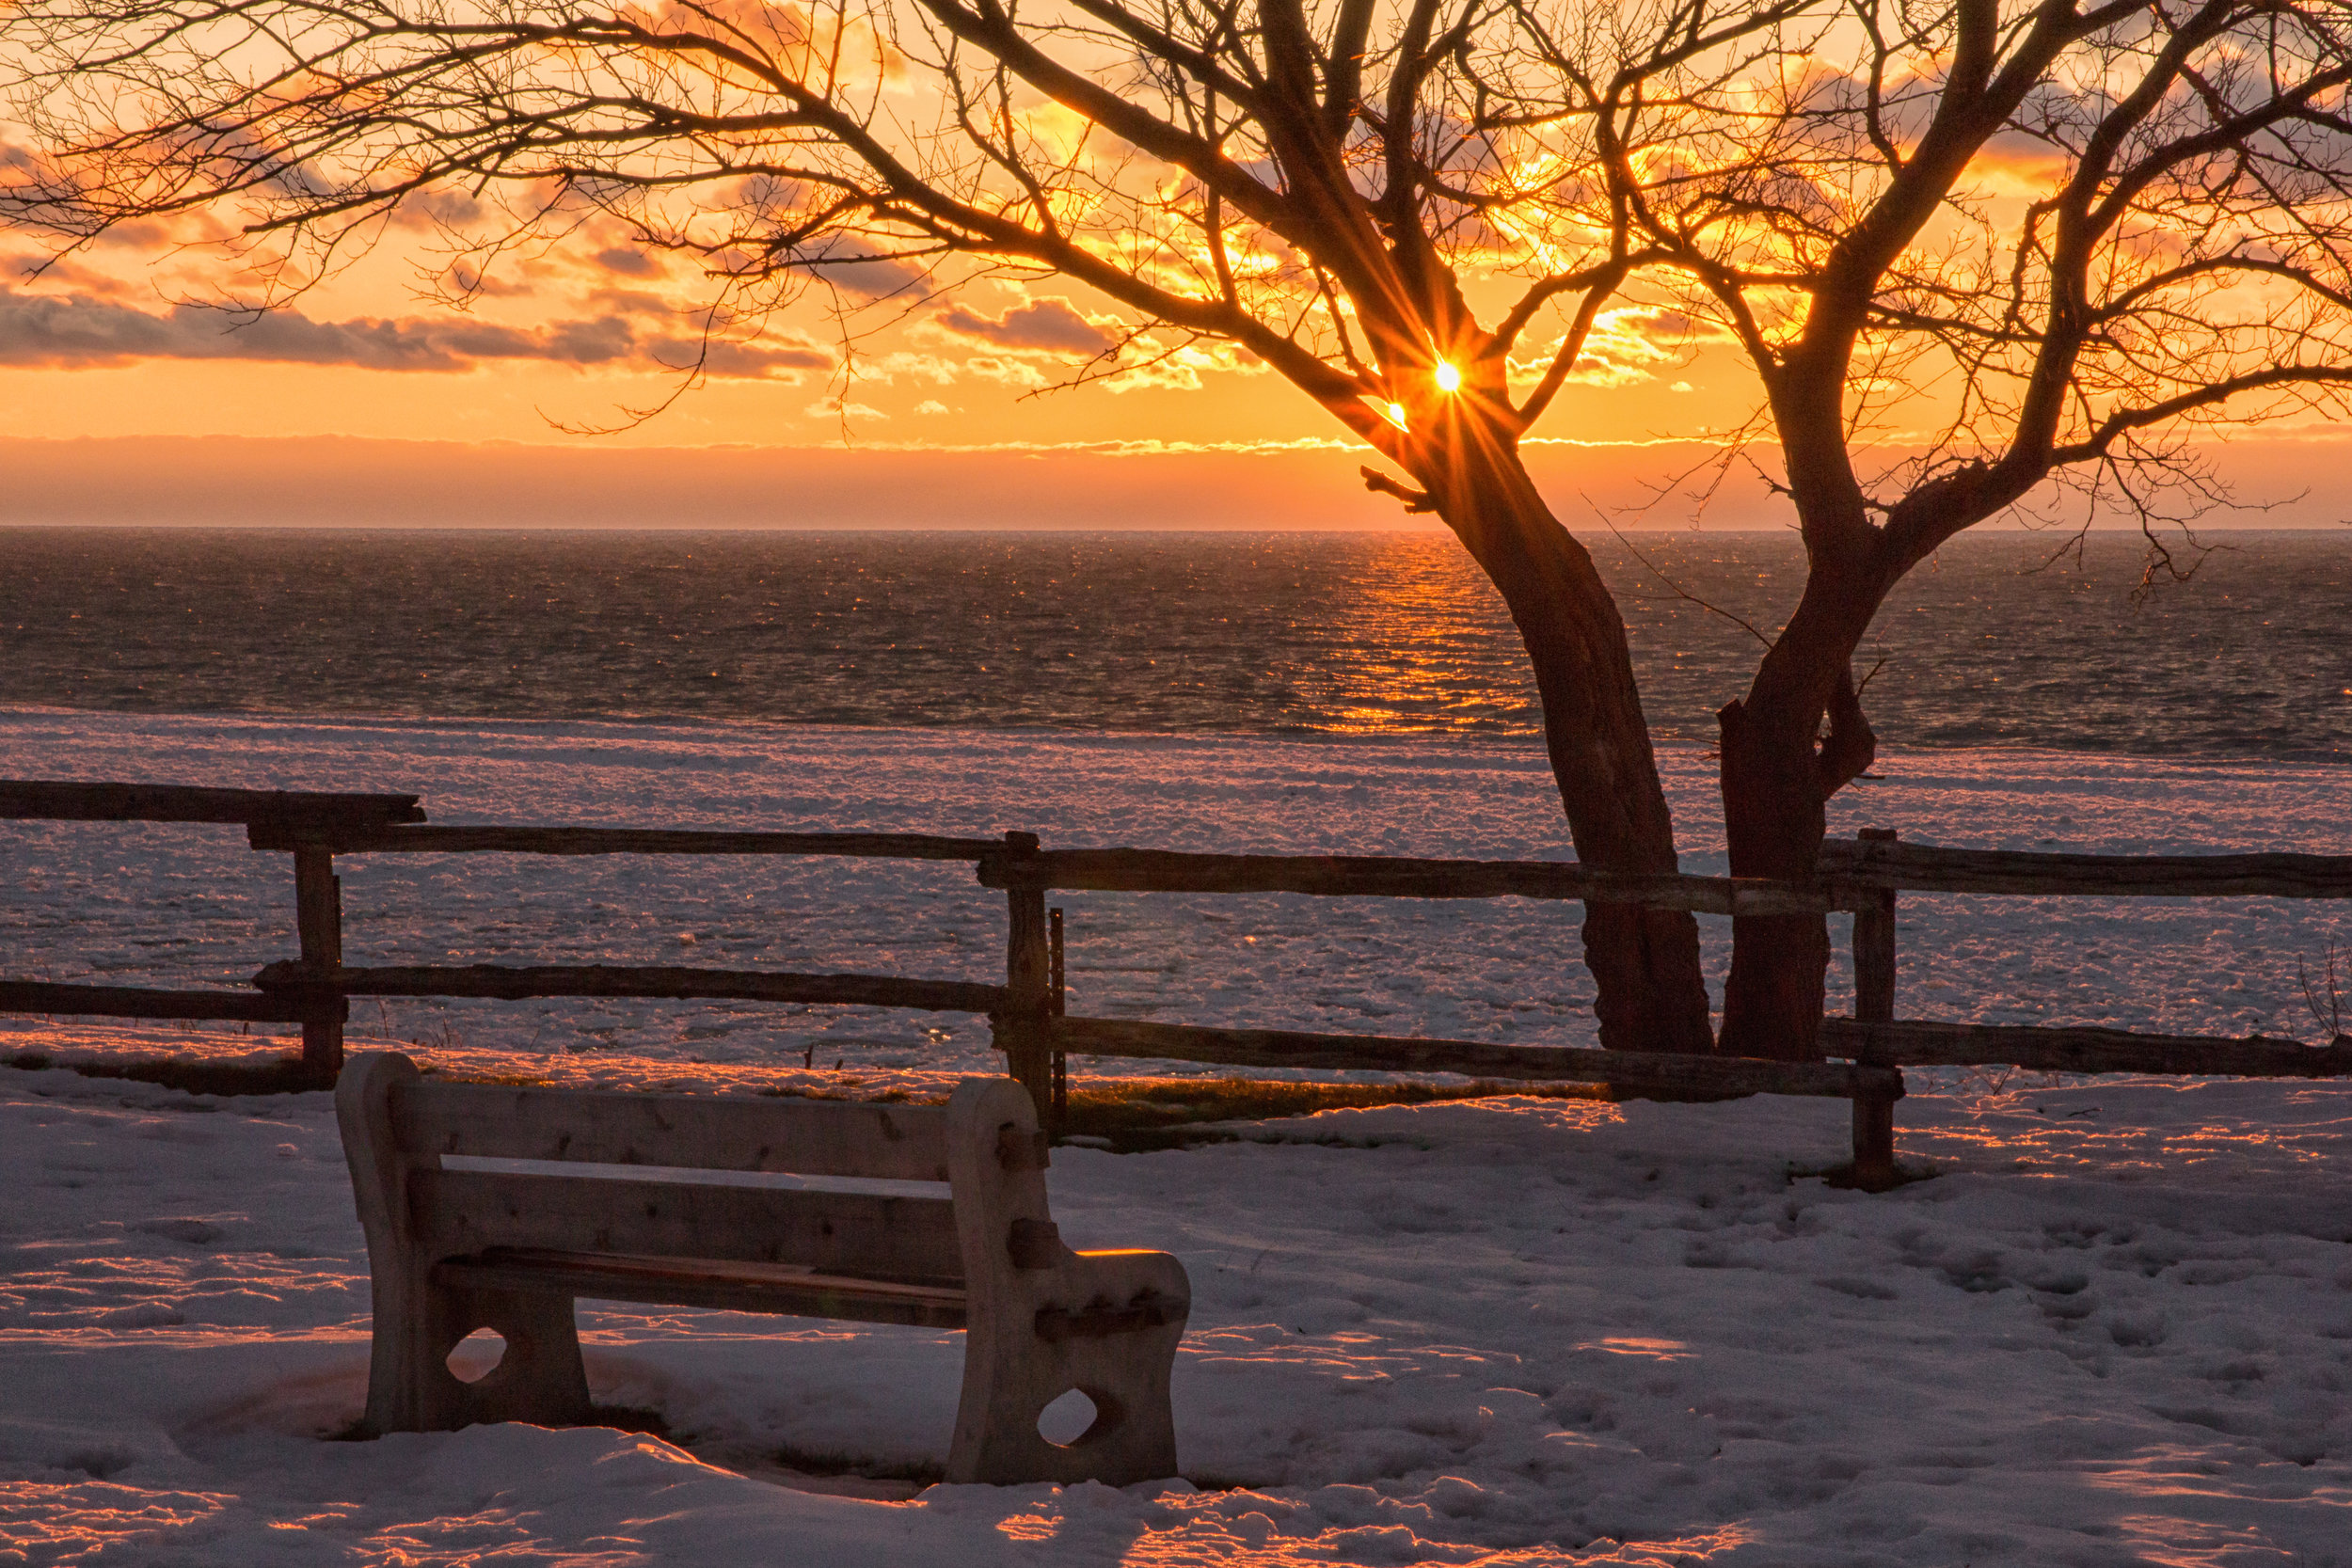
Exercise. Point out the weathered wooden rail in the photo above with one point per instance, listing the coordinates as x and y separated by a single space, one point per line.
313 989
73 801
1864 878
318 911
1868 874
1028 1013
233 1006
1878 858
1640 1074
1383 877
515 982
337 840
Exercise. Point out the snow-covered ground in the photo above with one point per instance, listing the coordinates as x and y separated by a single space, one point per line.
2118 1329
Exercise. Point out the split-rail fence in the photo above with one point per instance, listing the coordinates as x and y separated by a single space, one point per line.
1032 1026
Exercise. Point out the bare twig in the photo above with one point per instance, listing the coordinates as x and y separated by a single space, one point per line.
2324 996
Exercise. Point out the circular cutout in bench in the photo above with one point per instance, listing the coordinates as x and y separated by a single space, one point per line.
1066 1420
477 1355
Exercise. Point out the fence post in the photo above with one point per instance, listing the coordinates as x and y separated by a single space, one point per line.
319 926
1029 987
1874 1002
1062 1009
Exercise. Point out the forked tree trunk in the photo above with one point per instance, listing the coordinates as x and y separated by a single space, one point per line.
1774 798
1644 963
1774 822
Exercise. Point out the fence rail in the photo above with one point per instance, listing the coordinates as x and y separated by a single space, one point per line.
1634 1073
515 983
616 841
1026 1012
231 1007
1921 868
1923 1043
1385 877
65 801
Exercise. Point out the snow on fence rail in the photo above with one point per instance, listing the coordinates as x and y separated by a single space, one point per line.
1027 1013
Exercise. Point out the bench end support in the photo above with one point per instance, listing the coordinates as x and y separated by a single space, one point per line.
418 1323
1043 1320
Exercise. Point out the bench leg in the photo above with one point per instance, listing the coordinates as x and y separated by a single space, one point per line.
410 1387
1007 1386
540 1379
1042 1320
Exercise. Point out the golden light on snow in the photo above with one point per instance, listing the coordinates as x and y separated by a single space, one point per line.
1449 378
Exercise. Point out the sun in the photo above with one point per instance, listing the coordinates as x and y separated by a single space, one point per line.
1449 378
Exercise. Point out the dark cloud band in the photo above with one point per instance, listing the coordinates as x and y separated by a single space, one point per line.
1048 325
78 331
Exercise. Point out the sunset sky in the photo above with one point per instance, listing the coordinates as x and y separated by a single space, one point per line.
127 401
99 349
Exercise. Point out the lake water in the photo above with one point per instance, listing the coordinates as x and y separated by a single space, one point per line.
1295 634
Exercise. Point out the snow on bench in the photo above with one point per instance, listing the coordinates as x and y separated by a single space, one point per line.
495 1206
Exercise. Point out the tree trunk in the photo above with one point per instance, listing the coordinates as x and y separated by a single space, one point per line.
1644 963
1774 797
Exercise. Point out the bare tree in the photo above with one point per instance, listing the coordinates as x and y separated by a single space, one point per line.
2033 246
2053 232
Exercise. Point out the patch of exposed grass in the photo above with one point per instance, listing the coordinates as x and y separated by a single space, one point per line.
813 1462
1842 1175
888 1097
1134 1114
1131 1116
1126 1114
640 1418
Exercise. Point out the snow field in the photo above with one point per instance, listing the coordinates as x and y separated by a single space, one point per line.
2117 1330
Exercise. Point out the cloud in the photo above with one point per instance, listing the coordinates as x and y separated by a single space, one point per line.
1665 328
738 361
834 408
1042 326
1181 371
876 278
1012 373
77 331
68 273
1629 345
917 367
628 260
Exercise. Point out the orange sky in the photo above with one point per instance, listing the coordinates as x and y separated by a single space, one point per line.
125 405
579 336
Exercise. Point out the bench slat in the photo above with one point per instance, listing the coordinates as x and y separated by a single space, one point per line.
782 1289
907 1143
906 1239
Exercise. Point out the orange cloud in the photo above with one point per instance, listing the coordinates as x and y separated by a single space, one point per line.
1042 326
78 331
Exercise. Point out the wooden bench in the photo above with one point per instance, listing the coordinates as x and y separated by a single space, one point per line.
456 1244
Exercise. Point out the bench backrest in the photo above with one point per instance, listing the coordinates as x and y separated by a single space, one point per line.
412 1127
805 1137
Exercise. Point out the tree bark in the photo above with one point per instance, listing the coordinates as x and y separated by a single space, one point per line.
1644 963
1777 775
